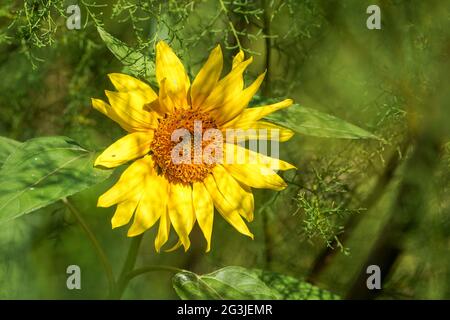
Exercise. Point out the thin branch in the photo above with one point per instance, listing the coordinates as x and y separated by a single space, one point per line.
268 45
233 29
147 269
98 248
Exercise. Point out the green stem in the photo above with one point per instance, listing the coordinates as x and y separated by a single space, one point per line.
101 254
143 270
268 44
128 266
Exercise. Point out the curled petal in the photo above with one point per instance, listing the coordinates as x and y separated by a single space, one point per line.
163 231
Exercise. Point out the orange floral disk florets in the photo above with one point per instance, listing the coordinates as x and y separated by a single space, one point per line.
163 144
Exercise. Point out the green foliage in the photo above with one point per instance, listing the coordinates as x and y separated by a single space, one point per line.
7 146
241 283
33 24
136 63
226 283
310 122
290 288
392 83
44 170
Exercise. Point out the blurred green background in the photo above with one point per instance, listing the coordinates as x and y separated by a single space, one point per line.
351 203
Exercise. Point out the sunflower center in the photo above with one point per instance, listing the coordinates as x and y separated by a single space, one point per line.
178 146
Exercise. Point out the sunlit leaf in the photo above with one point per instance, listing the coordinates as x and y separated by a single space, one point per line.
135 62
241 283
7 146
42 171
311 122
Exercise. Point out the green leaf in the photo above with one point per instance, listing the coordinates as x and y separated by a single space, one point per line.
7 146
241 283
291 288
311 122
135 62
42 171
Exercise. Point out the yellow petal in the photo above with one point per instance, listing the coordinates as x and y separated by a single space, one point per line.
251 115
239 198
227 211
227 89
248 204
132 146
259 130
129 184
181 211
256 176
163 231
175 246
207 78
130 106
124 82
272 131
237 104
204 210
108 111
165 103
153 203
169 67
124 212
235 154
238 59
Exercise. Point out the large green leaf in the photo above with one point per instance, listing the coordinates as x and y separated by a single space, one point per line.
312 122
42 171
291 288
241 283
135 62
7 146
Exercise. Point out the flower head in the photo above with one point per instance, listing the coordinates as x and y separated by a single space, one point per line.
176 139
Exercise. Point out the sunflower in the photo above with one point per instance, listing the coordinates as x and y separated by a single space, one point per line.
155 187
